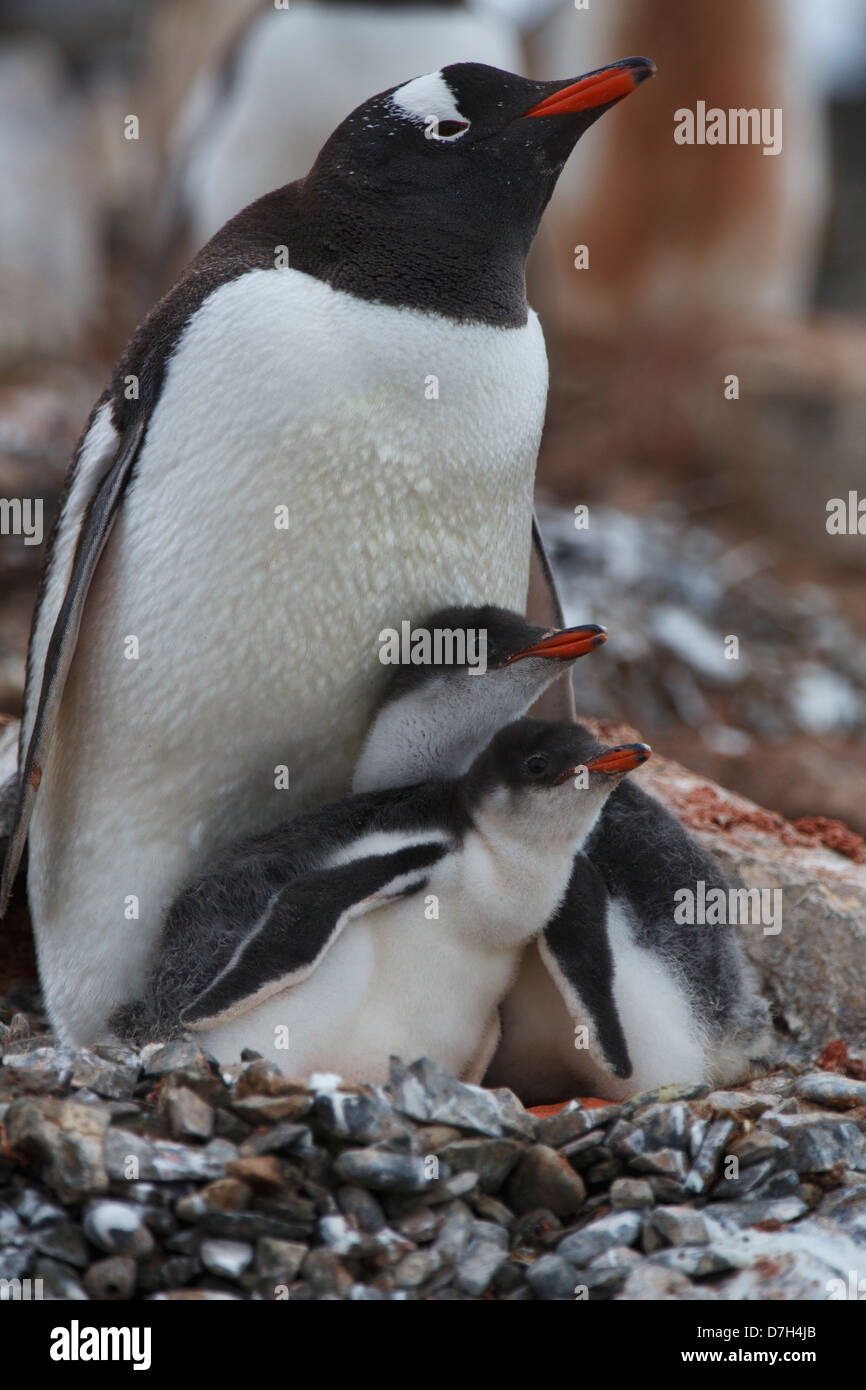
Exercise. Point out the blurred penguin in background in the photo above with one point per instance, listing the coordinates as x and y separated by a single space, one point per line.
259 112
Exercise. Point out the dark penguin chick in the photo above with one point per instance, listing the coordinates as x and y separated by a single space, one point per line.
391 922
355 345
477 669
683 998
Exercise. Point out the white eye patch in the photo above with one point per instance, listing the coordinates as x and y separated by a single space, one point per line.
429 101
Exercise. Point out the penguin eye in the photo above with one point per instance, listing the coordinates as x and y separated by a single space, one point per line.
536 765
449 130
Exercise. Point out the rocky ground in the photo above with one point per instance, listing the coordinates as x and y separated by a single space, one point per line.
161 1175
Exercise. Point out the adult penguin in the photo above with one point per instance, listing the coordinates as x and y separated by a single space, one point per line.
336 410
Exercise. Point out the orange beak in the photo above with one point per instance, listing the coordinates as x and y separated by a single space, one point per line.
596 89
567 644
622 759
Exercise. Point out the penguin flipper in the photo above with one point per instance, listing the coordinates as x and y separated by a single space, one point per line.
574 947
543 607
300 926
95 530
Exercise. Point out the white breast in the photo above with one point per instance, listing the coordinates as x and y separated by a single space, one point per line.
417 977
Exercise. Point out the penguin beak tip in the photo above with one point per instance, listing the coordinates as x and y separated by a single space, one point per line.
596 89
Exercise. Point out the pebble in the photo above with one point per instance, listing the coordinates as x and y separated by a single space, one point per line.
543 1178
631 1192
618 1228
826 1088
382 1171
229 1258
704 1167
189 1117
757 1145
117 1228
110 1279
674 1226
477 1266
552 1278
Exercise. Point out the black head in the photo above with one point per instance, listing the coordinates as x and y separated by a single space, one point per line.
447 175
496 638
537 754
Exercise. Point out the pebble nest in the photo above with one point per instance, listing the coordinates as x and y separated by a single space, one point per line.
163 1175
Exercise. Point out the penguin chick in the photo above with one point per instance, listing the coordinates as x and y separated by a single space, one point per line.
682 998
391 922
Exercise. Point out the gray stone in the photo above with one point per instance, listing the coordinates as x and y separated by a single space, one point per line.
745 1105
326 1273
573 1122
382 1171
59 1282
667 1163
730 1189
618 1228
415 1269
282 1138
739 1215
678 1226
687 1090
704 1167
279 1260
163 1160
62 1241
228 1258
111 1279
454 1235
112 1079
552 1278
695 1261
653 1282
826 1088
366 1119
665 1126
491 1159
117 1228
362 1207
757 1145
817 1148
179 1056
631 1192
625 1140
427 1092
477 1266
584 1152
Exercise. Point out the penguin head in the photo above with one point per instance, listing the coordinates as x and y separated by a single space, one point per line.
471 149
550 779
479 669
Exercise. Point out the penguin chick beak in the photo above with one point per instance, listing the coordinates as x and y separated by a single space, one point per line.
566 644
599 88
622 759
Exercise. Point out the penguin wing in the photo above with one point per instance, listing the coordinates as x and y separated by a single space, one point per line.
576 951
301 924
543 607
96 524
